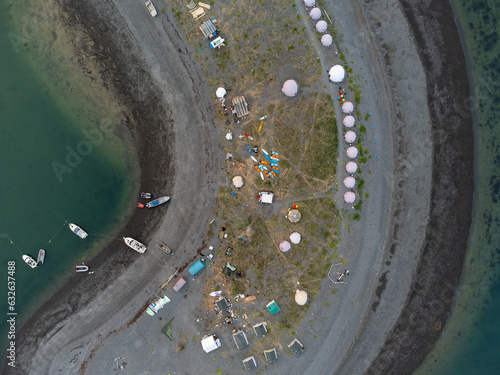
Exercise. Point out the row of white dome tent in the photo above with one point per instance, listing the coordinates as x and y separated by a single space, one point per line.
321 26
352 152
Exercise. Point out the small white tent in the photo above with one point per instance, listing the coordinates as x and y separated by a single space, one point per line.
349 121
350 136
290 88
351 167
336 73
221 91
347 107
295 238
349 182
321 26
349 197
326 40
309 3
285 246
315 13
352 152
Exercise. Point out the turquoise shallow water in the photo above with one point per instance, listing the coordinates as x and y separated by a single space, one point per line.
470 343
36 133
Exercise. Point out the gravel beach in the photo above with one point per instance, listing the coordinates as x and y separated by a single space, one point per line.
405 253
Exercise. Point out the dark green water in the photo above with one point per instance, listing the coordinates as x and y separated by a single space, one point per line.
36 131
470 343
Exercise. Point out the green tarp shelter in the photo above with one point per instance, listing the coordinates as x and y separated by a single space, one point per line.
167 330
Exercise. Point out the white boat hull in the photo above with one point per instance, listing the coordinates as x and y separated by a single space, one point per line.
157 202
78 231
134 244
29 261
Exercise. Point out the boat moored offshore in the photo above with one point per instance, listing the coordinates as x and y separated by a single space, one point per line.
134 244
78 231
29 261
157 202
41 256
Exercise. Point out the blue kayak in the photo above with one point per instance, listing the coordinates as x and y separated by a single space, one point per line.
249 149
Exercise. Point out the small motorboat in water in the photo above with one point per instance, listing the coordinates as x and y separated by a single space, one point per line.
41 256
157 202
78 231
82 268
29 261
134 244
146 195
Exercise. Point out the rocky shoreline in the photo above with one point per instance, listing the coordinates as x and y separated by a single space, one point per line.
427 307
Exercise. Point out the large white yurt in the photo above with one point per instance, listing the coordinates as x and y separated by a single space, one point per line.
336 73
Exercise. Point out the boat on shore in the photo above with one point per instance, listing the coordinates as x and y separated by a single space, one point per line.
82 268
151 8
29 261
41 256
146 195
134 244
157 202
78 231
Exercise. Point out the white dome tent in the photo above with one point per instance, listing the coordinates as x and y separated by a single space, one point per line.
349 197
350 136
295 238
301 297
351 167
347 107
349 121
290 88
221 91
309 3
321 26
336 74
285 246
352 152
315 13
326 40
349 182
